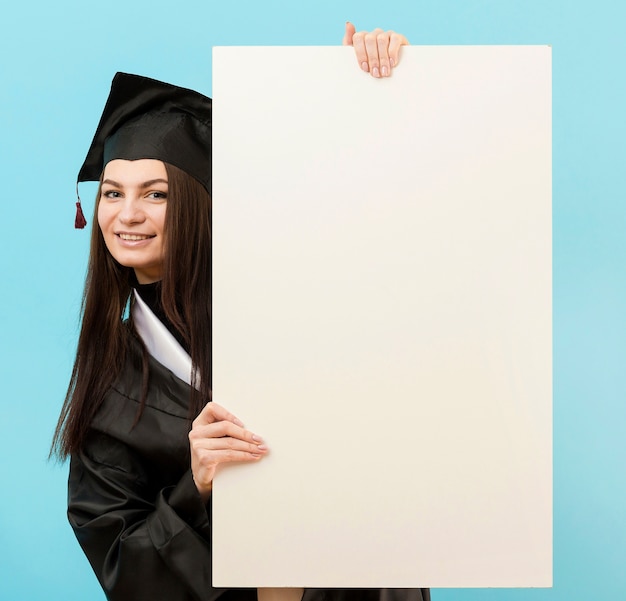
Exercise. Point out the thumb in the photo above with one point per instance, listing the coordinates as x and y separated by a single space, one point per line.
350 31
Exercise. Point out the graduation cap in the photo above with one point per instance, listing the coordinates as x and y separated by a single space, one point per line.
148 119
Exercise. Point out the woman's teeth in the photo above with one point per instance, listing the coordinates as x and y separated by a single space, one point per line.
133 237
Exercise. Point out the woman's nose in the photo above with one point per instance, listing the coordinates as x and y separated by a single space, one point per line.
131 212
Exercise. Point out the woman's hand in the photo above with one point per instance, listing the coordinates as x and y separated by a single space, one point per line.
217 436
378 51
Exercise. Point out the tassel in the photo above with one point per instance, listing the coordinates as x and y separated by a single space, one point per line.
79 221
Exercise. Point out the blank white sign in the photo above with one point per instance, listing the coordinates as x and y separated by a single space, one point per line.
382 317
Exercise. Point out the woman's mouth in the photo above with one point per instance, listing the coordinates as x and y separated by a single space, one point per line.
134 237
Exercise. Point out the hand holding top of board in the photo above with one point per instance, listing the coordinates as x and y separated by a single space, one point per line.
378 51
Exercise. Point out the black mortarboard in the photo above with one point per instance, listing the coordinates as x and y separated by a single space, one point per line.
148 119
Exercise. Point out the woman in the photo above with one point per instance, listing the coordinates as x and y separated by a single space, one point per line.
140 478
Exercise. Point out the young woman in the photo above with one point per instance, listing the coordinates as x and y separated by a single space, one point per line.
141 470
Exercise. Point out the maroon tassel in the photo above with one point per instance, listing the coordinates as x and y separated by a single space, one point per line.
79 221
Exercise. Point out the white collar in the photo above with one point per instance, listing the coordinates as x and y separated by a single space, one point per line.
160 342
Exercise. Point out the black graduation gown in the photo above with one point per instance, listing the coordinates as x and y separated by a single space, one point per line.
135 509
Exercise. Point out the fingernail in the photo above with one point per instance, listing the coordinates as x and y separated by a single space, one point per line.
364 66
375 72
262 447
392 63
385 71
256 438
238 422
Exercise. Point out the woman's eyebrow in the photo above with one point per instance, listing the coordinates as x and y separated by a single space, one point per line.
143 185
153 181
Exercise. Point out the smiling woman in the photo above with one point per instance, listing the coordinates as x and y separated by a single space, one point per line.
131 215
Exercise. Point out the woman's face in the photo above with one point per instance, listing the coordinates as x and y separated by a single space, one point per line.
131 215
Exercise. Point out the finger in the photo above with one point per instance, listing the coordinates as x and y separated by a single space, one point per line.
358 41
224 428
395 42
213 412
350 31
227 444
204 463
382 41
209 460
371 47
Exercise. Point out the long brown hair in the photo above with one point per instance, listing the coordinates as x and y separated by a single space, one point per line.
185 296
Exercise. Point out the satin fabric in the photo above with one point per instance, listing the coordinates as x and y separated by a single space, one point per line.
135 509
160 342
133 504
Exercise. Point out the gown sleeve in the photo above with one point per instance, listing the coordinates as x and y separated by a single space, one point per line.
142 542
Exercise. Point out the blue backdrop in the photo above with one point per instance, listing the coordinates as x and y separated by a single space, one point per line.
56 63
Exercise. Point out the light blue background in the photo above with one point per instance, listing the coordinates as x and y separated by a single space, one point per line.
57 60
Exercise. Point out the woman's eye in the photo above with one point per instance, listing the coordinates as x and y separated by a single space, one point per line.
111 194
158 195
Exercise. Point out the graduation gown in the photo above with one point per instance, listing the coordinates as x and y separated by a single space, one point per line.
135 509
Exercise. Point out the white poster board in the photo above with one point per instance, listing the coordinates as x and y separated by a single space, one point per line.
382 316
